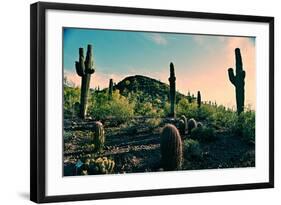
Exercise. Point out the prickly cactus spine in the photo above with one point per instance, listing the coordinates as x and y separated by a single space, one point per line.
198 99
172 80
171 148
84 68
238 81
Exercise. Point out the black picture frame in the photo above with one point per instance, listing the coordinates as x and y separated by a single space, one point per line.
38 101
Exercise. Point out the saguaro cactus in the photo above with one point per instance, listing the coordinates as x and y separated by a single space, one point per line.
198 99
84 68
110 88
172 80
238 81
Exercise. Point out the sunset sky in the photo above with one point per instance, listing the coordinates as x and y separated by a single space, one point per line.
201 61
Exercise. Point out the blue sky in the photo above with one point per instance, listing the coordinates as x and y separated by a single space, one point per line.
201 61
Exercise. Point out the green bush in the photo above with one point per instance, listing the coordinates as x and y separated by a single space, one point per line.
118 108
153 122
203 133
191 110
192 149
226 119
248 120
71 98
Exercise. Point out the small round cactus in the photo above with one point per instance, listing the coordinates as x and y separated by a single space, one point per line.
99 137
182 126
199 124
171 148
191 124
102 165
185 121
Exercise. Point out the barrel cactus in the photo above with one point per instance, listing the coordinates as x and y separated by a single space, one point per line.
185 121
199 124
182 126
171 148
98 137
84 68
191 124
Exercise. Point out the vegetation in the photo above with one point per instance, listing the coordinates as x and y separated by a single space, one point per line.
192 149
141 124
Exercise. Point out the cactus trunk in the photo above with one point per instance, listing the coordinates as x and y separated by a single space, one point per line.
198 99
85 84
172 80
110 88
84 69
238 81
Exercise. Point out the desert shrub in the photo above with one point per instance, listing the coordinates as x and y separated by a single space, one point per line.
247 120
71 98
187 109
171 148
203 134
226 119
192 149
145 104
118 107
147 109
153 122
205 112
190 110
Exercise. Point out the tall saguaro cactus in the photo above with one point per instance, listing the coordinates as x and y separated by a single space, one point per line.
172 80
198 99
84 68
238 81
110 88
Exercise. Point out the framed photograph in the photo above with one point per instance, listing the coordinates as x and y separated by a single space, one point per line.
129 102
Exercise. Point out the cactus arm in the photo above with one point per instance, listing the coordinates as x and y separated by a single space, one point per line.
238 58
79 71
231 76
79 65
89 62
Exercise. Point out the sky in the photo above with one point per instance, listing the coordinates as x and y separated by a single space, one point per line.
200 61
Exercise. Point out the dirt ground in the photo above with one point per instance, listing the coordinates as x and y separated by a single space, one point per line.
136 148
